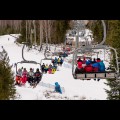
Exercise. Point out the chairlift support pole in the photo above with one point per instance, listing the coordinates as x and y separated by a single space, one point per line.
104 33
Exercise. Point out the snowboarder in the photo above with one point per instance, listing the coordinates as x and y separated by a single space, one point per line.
58 88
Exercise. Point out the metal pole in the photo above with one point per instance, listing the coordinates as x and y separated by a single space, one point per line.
104 33
23 53
104 54
77 42
97 54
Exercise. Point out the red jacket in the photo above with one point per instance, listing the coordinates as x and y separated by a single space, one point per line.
79 65
88 68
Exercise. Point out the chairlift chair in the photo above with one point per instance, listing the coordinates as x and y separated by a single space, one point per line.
94 75
27 61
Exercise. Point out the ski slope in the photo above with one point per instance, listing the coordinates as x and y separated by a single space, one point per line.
74 89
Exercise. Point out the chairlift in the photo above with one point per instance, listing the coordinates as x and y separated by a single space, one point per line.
24 61
93 75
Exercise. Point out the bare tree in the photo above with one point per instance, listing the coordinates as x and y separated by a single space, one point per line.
26 31
34 25
41 33
50 27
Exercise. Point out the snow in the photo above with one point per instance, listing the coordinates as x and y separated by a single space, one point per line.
74 89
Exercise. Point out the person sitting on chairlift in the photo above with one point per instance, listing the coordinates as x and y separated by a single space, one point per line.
88 68
38 76
79 68
43 67
30 76
24 76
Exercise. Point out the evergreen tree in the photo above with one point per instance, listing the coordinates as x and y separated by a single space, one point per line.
114 92
7 88
113 40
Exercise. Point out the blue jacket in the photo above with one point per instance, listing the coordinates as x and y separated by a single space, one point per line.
61 60
58 88
56 60
102 66
96 65
88 62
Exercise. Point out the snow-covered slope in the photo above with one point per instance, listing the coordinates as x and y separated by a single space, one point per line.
74 89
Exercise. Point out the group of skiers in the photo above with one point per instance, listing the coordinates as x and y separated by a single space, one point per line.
51 68
48 68
97 65
32 77
57 61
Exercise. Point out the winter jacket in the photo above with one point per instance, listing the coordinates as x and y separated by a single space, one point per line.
61 60
37 74
50 66
18 79
88 62
88 68
58 60
96 67
30 74
79 65
102 66
46 67
43 66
